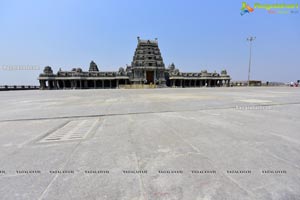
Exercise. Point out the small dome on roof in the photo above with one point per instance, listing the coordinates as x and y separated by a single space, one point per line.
48 70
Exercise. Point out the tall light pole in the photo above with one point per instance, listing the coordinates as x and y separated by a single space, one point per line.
250 39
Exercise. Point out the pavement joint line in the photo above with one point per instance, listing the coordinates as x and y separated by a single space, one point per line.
273 155
143 194
141 113
141 185
197 151
282 137
44 193
38 138
282 159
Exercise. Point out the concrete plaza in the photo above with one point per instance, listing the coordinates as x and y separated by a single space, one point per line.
151 144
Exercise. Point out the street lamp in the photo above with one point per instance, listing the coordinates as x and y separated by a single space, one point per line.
250 39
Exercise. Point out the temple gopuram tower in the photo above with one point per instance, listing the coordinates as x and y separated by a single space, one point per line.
147 66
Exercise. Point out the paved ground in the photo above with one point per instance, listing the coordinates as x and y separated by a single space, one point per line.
205 143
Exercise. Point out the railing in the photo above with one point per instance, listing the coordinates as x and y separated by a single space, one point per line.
18 87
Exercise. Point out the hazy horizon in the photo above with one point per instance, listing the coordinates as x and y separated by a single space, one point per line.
193 35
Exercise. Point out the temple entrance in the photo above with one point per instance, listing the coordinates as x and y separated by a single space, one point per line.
150 77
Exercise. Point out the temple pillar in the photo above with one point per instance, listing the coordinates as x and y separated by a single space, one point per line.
208 83
173 82
50 84
190 83
94 84
80 84
41 84
102 81
85 84
110 84
55 86
180 82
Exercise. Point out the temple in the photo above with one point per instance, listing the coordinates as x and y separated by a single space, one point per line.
147 68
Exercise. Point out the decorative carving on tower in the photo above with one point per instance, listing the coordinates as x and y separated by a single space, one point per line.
93 67
147 65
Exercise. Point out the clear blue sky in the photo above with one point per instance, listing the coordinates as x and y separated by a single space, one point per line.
193 34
